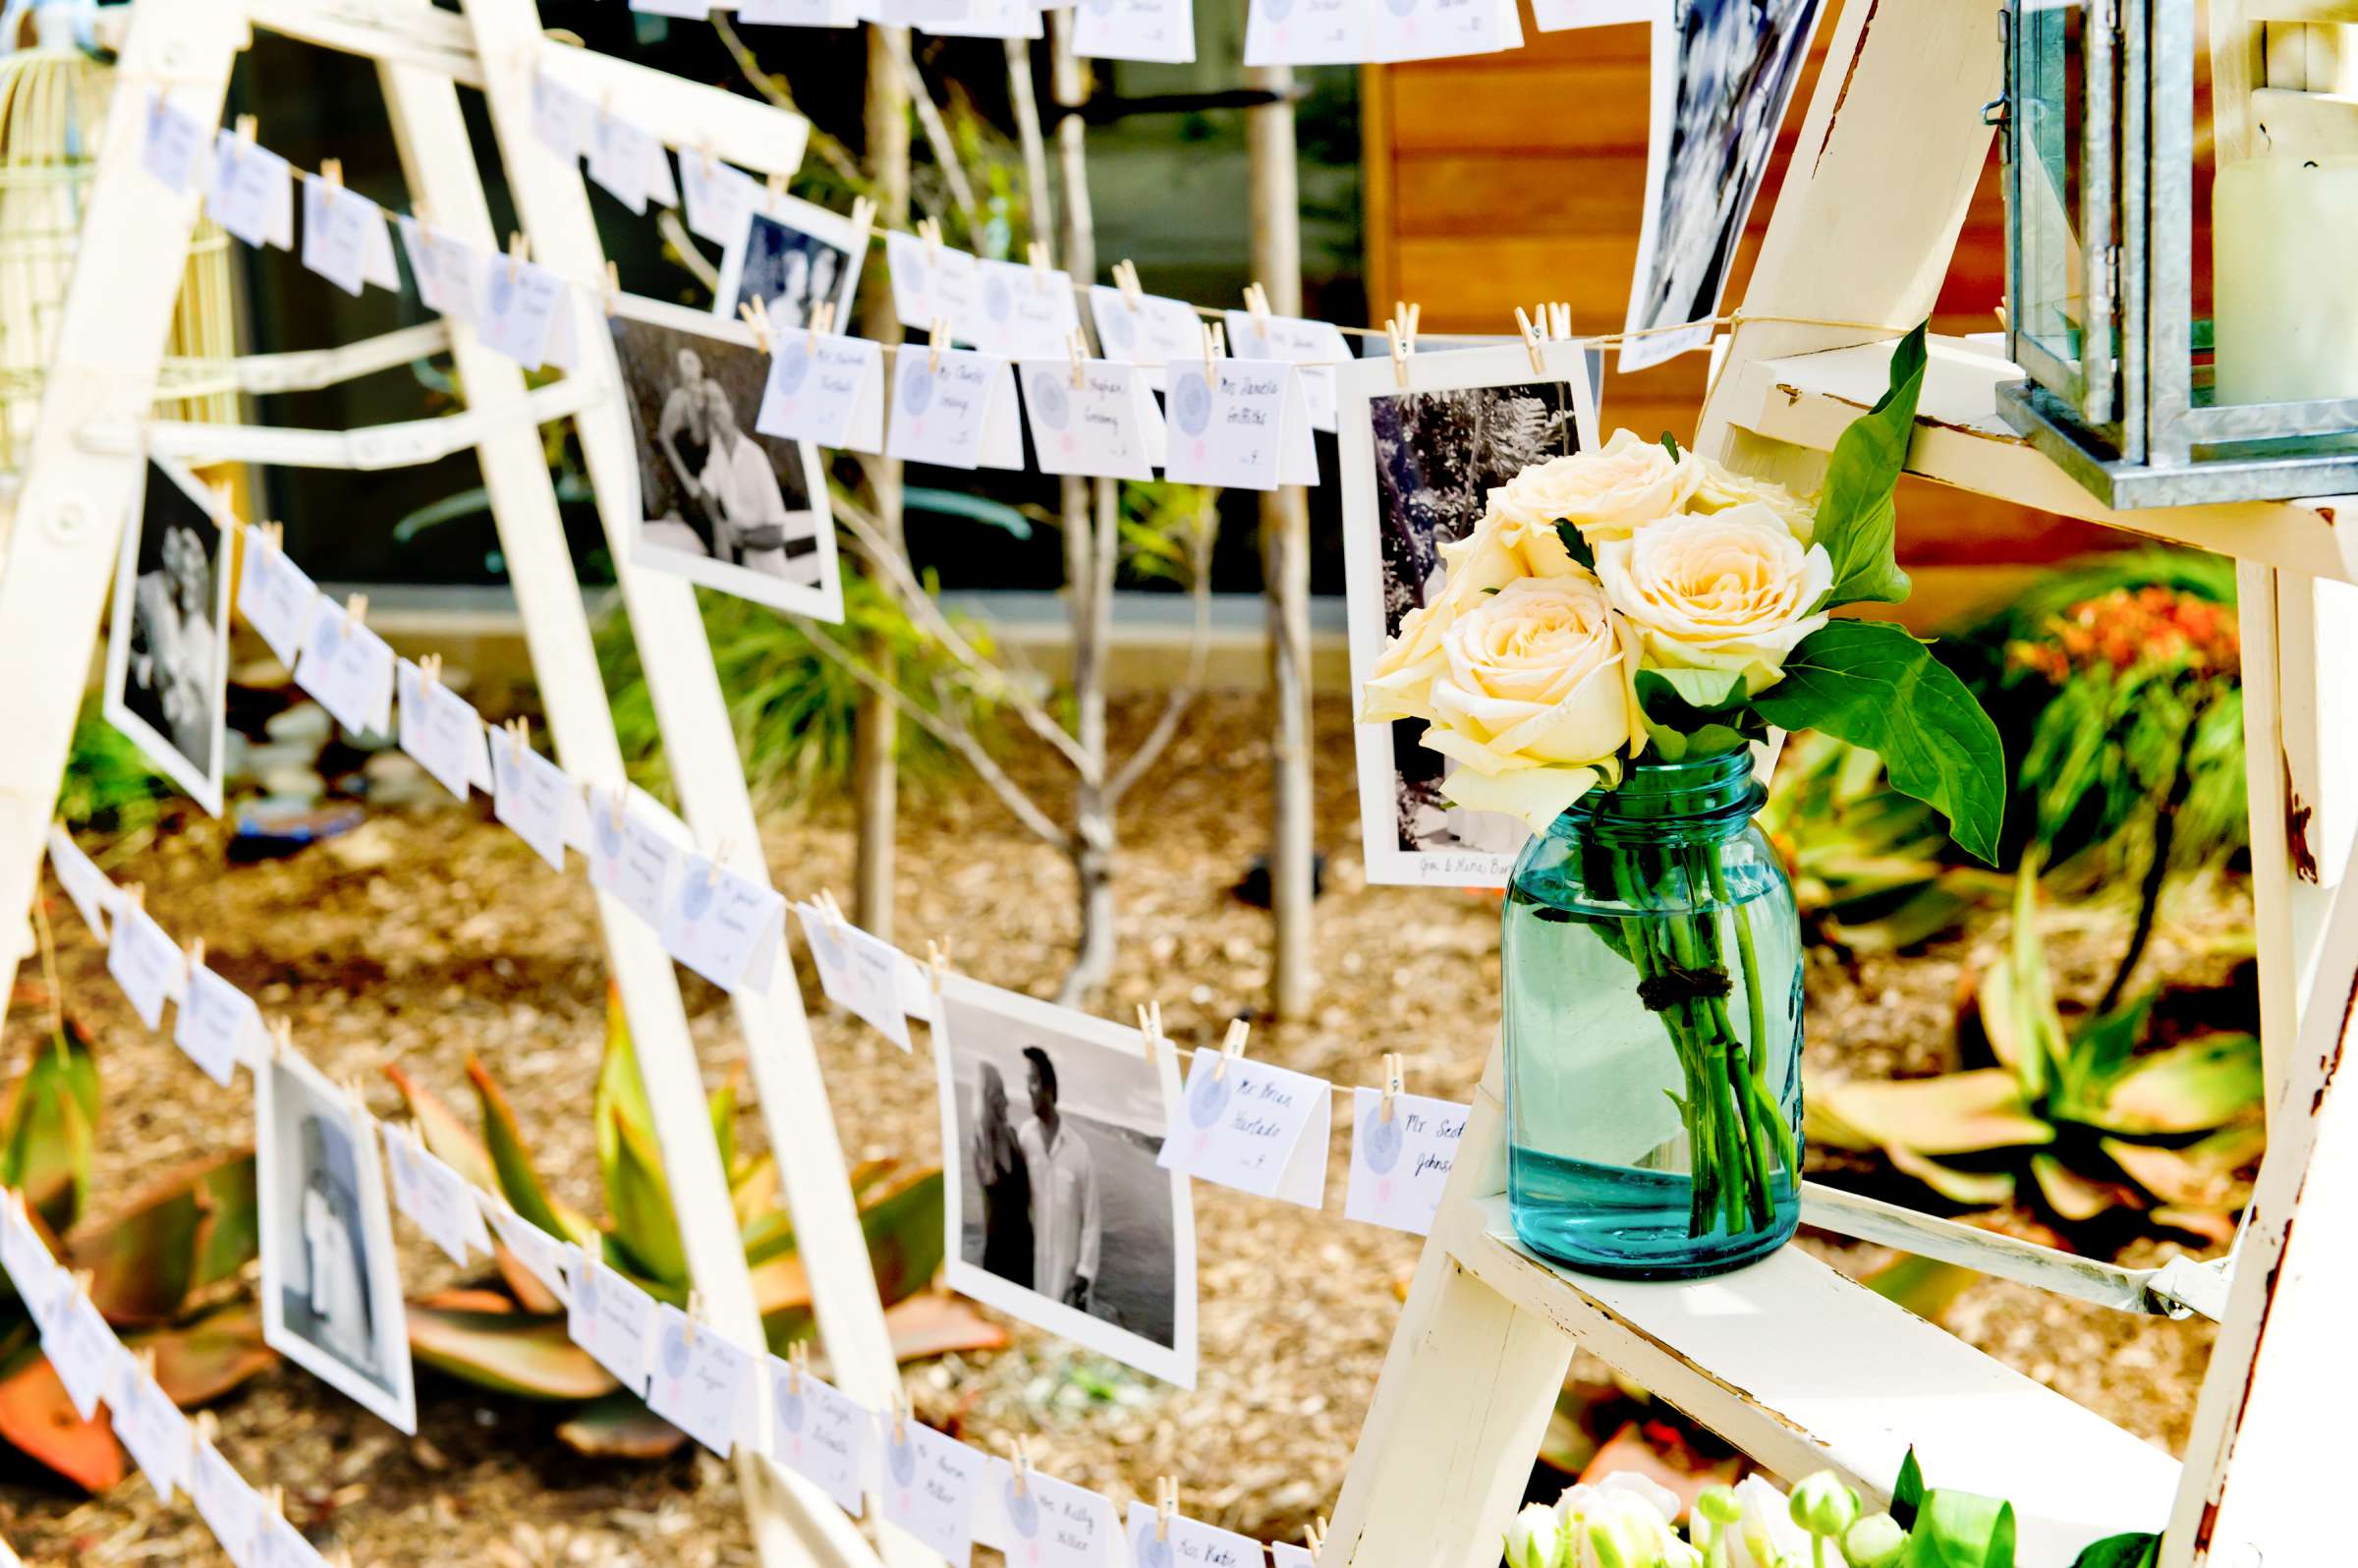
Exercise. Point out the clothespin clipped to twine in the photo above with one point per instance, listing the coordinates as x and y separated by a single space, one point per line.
282 1038
900 1415
863 223
519 731
930 230
823 320
1391 1082
937 337
613 287
1256 302
1073 343
828 907
1215 342
1022 1463
1232 1047
1401 332
204 1428
1125 278
755 313
331 173
429 671
775 185
1149 1024
709 153
798 1362
1166 1503
1531 341
355 610
196 957
937 961
138 893
694 1312
518 248
621 808
1407 313
1037 254
352 1091
718 857
246 126
1313 1535
274 535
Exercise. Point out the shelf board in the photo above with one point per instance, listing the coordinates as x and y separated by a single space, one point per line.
1806 401
1804 1369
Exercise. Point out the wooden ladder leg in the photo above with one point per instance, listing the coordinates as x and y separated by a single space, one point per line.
1463 1400
66 527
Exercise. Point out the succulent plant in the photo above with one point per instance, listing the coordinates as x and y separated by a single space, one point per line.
513 1339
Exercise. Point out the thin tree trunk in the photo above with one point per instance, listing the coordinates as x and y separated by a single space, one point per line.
1285 568
1038 201
875 727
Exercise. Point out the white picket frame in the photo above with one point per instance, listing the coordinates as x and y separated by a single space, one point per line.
1786 1360
85 462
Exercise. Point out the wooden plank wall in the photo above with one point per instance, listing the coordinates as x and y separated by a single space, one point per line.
1503 180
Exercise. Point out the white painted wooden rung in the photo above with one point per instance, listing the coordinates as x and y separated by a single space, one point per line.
381 446
433 40
310 370
1808 400
1805 1368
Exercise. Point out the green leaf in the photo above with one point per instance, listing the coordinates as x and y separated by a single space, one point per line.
48 1132
2135 1549
1671 445
1703 691
1576 546
1675 745
522 1355
1856 520
2192 1086
1872 684
1959 1529
512 1160
1907 1493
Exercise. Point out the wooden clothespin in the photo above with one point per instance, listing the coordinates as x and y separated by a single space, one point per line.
206 1427
1073 346
246 125
823 320
621 799
354 1094
829 907
273 535
1256 302
1166 1503
519 731
863 223
1149 1024
1215 342
1531 341
1401 349
613 287
694 1312
1232 1047
798 1362
718 859
937 961
605 104
1038 254
1391 1082
775 185
900 1415
1313 1535
1559 320
282 1038
755 313
930 230
196 956
355 610
224 500
1022 1463
706 152
1125 278
937 337
429 671
1407 313
331 173
519 251
137 892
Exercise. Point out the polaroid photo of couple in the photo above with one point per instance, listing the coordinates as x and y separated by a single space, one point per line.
720 503
1056 1209
793 256
1419 460
167 655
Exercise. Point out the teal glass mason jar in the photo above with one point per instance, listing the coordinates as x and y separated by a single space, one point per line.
1651 970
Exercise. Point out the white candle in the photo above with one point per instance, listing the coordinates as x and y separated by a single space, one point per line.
2284 293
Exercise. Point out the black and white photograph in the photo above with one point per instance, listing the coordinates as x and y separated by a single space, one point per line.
331 1288
792 257
1418 463
1723 72
167 656
720 503
1056 1213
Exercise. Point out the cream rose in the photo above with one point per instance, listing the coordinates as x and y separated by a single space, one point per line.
1719 488
1535 702
1498 551
1721 590
1607 494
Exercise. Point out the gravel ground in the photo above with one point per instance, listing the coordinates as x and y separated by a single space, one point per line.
432 932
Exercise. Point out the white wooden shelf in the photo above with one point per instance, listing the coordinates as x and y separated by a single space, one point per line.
1807 400
1805 1368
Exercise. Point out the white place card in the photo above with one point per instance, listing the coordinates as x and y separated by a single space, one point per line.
377 267
531 793
825 387
1135 29
1258 1128
930 1484
1306 33
448 271
1314 347
335 232
94 897
38 1278
629 856
623 157
987 18
859 973
518 308
1286 1555
1052 1524
170 144
275 596
725 926
147 962
1151 329
799 13
228 1506
82 1349
609 1317
542 1256
701 1383
1106 426
348 668
955 408
1432 30
820 1433
1027 312
718 196
560 116
909 13
438 1199
277 1543
932 283
1188 1544
218 1027
252 192
1398 1167
442 733
1241 425
150 1425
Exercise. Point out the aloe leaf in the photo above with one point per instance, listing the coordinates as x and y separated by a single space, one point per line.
2071 1194
47 1133
936 1323
723 1107
193 1226
639 1201
440 1129
621 1427
196 1363
512 1162
2191 1087
1977 1189
528 1356
901 1221
2202 1175
38 1420
1955 1113
1907 1492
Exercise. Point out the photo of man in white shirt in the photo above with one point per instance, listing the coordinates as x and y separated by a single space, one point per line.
1066 1224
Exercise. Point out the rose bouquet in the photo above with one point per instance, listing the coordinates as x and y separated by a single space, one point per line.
1622 615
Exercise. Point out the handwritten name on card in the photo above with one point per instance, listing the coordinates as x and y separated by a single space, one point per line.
1239 424
531 793
1187 1544
349 669
610 1317
1026 313
818 1434
437 1199
932 283
1255 1127
1398 1167
170 142
1151 329
1135 29
725 926
94 896
1306 33
1315 347
542 1255
955 408
629 856
443 732
1432 30
929 1487
228 1506
517 309
859 973
152 1427
35 1274
275 596
82 1350
700 1383
1106 426
218 1027
252 192
145 963
560 116
1054 1523
622 159
825 387
446 269
335 232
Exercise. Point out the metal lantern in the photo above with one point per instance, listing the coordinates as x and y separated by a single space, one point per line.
2124 387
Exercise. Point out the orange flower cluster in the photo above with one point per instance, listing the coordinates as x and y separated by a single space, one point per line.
2127 627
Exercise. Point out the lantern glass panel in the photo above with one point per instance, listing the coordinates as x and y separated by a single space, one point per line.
2064 197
